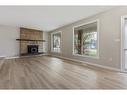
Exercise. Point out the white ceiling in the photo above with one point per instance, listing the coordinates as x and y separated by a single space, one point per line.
45 18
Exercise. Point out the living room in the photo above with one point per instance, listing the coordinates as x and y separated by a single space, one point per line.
41 48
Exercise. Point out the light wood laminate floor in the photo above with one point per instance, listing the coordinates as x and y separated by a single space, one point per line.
47 72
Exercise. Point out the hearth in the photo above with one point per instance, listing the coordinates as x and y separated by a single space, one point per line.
32 49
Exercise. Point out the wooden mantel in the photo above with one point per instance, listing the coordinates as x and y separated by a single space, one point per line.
30 40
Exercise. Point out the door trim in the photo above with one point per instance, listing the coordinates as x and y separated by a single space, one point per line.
122 44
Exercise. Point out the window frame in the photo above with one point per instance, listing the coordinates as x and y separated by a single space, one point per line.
52 42
96 57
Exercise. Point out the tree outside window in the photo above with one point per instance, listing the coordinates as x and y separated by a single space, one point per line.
85 40
56 42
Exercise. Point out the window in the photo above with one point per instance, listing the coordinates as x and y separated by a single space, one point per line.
56 42
86 40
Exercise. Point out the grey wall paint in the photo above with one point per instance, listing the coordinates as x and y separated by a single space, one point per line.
109 36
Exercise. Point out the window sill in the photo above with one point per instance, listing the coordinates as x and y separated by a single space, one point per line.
97 57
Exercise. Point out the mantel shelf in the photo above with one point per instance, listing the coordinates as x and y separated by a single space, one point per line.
30 40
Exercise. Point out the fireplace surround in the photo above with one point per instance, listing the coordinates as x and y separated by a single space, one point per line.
31 42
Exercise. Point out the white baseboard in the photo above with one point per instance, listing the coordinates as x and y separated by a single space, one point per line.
23 56
92 64
12 57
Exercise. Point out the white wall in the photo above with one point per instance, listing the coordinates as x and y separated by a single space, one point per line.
9 47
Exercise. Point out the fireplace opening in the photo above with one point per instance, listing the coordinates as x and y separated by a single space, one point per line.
32 49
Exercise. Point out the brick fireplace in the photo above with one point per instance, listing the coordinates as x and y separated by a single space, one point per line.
31 41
